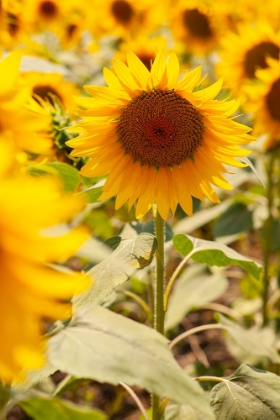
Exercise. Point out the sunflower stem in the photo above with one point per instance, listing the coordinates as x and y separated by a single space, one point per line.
268 226
158 295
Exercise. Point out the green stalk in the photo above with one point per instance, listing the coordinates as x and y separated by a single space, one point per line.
266 244
158 295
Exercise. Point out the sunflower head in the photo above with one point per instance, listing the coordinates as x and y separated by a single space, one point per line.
197 25
124 18
263 102
245 52
48 10
157 137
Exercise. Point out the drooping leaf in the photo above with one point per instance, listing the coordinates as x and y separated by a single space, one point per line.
248 394
175 411
214 254
102 345
130 255
253 341
193 289
236 219
244 159
56 409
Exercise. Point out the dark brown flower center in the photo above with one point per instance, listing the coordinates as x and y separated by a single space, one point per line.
71 30
273 100
160 128
46 92
197 23
13 23
122 11
256 57
48 9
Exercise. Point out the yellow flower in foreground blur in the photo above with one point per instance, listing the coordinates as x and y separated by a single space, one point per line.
27 129
158 139
244 53
31 291
264 102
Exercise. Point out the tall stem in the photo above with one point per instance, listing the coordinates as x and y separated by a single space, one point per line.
268 226
158 294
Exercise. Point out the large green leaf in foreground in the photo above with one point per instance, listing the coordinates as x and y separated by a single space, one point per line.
247 394
130 255
107 347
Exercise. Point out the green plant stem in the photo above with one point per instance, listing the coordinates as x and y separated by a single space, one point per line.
266 243
210 379
158 295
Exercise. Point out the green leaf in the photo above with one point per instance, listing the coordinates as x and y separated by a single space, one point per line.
175 411
215 254
107 347
100 223
253 341
193 289
55 409
4 396
92 193
113 242
70 176
131 255
236 219
182 244
249 393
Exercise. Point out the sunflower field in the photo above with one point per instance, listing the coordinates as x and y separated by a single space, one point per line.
140 210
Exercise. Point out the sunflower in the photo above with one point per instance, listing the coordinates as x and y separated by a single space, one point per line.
49 86
44 14
196 24
244 53
13 29
27 129
125 18
264 100
30 290
156 138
